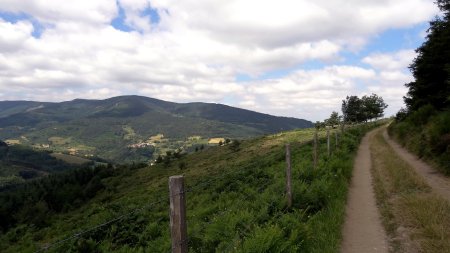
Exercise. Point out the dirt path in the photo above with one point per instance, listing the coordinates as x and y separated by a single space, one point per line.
437 181
363 231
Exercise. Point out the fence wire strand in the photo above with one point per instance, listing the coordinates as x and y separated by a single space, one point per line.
193 188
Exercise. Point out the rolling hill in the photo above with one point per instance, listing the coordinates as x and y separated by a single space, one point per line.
130 128
19 163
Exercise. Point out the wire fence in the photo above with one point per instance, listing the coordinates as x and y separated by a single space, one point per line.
202 185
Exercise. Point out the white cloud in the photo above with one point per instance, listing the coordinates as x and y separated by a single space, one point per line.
312 94
392 72
199 47
399 60
280 23
13 36
60 11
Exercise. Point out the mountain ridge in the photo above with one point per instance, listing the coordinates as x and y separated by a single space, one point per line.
108 127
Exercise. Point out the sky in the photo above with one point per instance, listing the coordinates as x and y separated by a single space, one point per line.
296 58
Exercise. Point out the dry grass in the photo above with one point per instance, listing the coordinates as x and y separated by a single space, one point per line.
430 215
416 219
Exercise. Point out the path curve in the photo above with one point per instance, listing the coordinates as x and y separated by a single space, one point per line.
363 231
438 182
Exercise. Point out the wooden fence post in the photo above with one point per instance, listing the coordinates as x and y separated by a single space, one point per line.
328 143
288 176
178 228
315 150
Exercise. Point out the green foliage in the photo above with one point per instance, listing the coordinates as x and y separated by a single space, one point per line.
370 107
267 239
235 144
426 132
319 125
401 114
34 201
431 67
351 109
373 106
22 162
333 120
182 165
235 202
159 159
425 127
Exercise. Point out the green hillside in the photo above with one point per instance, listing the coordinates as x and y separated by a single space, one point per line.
19 163
109 128
235 201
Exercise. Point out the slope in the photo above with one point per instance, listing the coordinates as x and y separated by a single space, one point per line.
235 202
19 163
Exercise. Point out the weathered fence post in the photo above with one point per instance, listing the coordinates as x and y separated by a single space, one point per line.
328 143
178 228
288 176
342 127
315 150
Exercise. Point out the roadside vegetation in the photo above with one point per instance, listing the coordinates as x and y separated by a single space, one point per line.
415 218
424 126
426 132
235 203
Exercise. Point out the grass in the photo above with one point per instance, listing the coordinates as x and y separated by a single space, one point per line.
236 202
59 141
70 158
415 218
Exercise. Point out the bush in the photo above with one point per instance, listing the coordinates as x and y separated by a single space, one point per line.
421 116
426 132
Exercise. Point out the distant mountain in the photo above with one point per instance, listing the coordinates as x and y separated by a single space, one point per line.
130 127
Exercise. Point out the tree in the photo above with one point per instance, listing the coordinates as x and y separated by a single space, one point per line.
333 120
370 107
318 124
351 109
373 107
431 67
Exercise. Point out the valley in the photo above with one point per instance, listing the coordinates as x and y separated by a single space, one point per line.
130 128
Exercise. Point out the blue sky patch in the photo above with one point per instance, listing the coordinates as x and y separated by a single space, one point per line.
38 28
119 21
120 24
